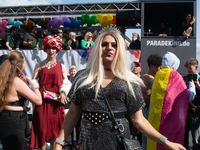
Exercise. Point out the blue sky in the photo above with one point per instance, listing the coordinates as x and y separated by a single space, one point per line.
38 2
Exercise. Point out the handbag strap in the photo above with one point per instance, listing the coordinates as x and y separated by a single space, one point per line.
115 124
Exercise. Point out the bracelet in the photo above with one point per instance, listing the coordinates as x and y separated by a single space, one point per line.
163 139
36 88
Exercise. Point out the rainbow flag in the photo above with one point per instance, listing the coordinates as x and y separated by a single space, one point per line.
168 107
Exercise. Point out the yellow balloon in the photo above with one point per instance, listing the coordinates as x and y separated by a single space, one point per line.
104 24
110 17
99 16
109 22
105 18
100 22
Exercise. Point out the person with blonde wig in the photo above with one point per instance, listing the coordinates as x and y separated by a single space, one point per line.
14 91
51 77
87 42
107 76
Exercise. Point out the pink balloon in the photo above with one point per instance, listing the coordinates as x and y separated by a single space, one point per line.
4 27
4 22
0 24
1 30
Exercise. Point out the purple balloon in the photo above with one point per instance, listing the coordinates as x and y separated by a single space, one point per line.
65 19
51 22
48 26
56 19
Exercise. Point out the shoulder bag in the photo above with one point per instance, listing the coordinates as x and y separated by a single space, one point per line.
125 143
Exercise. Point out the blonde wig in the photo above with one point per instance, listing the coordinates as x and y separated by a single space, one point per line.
118 66
87 35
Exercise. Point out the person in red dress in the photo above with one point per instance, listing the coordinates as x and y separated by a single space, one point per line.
54 85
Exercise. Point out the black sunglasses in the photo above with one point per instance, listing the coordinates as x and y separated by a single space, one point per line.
105 44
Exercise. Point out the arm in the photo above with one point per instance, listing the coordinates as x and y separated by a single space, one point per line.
65 87
25 42
145 128
7 45
17 45
67 126
192 91
37 46
83 43
36 71
193 20
22 88
146 92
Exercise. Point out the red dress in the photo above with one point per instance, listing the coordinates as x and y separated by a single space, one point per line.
48 117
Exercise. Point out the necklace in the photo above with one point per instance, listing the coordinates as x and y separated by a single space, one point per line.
107 69
50 64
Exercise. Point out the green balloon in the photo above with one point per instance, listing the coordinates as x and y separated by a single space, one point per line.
93 17
84 21
89 23
87 17
83 17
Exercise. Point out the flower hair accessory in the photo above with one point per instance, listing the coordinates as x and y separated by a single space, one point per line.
52 41
109 29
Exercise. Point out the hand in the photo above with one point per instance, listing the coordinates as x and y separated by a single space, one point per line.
25 80
35 48
58 147
63 98
173 146
194 19
31 81
194 108
17 49
9 48
30 43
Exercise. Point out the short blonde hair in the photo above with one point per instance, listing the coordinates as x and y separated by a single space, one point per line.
71 33
72 67
87 35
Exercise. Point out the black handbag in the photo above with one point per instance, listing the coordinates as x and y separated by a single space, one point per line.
125 143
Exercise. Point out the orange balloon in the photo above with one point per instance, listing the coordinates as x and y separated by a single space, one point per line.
114 21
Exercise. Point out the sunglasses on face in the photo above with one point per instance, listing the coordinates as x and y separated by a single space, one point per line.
90 36
83 32
105 44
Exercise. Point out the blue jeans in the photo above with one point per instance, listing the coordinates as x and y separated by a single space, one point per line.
144 138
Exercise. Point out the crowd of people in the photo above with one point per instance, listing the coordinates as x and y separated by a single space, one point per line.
161 104
33 40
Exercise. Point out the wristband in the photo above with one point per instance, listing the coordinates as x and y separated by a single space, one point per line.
163 139
36 88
